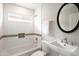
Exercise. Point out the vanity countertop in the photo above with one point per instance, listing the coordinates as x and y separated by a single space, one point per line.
76 53
61 50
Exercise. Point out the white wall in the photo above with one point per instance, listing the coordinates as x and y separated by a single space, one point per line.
13 27
1 18
49 12
37 20
1 21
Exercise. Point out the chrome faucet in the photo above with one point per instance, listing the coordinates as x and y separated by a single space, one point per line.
65 41
72 43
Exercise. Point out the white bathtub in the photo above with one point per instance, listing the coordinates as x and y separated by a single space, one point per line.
19 51
14 46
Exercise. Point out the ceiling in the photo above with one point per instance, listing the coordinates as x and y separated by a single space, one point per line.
32 6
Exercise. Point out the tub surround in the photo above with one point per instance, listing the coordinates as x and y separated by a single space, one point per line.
16 35
21 35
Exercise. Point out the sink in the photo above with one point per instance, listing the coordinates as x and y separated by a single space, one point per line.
68 47
57 44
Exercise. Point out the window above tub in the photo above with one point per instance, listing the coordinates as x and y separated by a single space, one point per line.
20 17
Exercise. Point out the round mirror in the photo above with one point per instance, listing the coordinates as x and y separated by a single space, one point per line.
68 18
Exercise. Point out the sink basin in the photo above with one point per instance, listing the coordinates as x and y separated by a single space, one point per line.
68 47
57 44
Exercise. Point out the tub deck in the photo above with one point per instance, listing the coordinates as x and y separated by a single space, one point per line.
18 51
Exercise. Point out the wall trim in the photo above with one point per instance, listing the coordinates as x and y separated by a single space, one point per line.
16 35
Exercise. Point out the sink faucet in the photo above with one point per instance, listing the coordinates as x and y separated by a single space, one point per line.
72 43
65 41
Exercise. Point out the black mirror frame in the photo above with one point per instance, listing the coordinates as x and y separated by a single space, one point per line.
76 27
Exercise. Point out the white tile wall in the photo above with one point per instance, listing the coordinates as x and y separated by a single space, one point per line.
1 24
49 12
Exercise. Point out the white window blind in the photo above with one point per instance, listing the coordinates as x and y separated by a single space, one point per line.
19 17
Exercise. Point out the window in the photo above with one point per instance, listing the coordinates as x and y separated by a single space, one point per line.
19 17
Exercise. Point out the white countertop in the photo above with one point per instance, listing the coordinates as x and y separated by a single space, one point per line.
61 50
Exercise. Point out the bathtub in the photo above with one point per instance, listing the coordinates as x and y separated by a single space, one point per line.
19 51
14 46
